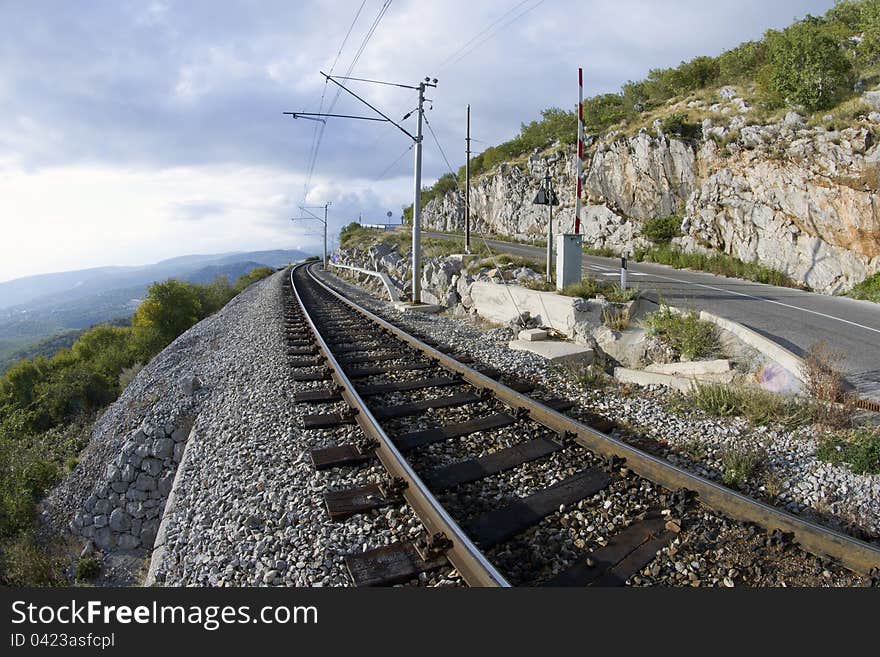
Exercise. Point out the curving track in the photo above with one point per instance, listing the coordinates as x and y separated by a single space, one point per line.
443 429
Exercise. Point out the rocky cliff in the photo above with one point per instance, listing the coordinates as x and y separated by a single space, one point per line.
800 199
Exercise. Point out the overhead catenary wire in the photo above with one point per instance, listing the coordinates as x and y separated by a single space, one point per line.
465 50
461 48
322 127
313 148
397 161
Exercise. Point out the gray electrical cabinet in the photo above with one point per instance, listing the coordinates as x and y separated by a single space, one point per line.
569 260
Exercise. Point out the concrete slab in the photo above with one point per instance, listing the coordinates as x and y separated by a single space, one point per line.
533 335
556 352
695 368
642 378
429 308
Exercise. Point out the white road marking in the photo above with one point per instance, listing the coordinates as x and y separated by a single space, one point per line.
777 303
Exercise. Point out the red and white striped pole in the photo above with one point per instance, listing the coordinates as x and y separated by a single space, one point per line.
580 158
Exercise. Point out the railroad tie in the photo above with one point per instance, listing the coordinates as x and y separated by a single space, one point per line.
417 408
328 420
502 524
323 396
464 472
627 553
342 504
404 386
390 564
364 372
408 441
341 456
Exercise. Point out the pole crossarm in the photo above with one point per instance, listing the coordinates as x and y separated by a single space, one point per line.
372 107
315 116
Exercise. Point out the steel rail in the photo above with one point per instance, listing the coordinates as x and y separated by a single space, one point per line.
859 556
466 557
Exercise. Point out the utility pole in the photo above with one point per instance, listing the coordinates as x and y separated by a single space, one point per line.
467 186
308 210
417 207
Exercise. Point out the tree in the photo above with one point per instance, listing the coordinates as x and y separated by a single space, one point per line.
171 307
106 348
808 66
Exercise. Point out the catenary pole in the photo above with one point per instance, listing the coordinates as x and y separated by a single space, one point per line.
467 186
417 202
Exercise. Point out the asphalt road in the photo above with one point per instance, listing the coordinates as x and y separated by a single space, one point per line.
793 318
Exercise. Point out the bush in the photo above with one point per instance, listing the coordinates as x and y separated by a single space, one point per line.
686 333
87 569
808 65
662 229
867 290
246 280
127 375
741 63
677 124
171 307
715 263
740 464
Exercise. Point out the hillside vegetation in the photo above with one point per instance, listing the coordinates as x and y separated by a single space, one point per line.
818 65
47 405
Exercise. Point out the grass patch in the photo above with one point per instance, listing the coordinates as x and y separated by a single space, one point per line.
617 319
720 264
590 288
741 464
859 450
506 261
867 290
687 333
756 405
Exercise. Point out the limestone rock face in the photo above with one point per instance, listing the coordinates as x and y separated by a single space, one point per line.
801 200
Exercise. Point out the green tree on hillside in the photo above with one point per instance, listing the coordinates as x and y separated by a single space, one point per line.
171 307
808 66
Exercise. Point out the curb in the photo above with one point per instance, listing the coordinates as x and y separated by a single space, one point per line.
158 550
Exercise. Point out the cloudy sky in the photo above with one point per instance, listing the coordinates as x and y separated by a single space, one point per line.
133 131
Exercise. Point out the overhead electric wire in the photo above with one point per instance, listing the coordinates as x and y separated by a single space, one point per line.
313 153
482 32
393 164
468 50
321 127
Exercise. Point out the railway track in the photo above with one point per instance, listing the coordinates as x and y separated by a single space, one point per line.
488 464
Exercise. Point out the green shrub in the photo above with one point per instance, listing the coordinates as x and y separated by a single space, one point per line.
859 450
246 280
715 263
808 66
741 63
87 569
740 464
662 229
687 333
868 289
588 288
678 124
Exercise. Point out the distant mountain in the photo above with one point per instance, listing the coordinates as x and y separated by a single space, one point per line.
88 282
50 306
